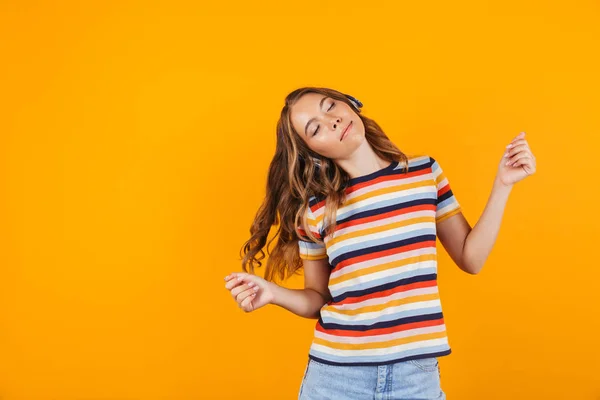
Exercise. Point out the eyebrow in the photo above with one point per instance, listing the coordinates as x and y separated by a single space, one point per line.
312 119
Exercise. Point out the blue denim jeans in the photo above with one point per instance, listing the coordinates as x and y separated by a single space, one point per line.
405 380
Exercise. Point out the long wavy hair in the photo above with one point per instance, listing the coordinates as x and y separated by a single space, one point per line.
296 173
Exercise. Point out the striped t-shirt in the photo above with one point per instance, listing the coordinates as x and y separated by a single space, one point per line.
385 304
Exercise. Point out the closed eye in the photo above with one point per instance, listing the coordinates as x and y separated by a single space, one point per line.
330 107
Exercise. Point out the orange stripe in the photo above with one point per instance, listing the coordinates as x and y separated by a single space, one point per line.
380 345
383 253
393 213
392 177
384 293
449 214
391 303
350 275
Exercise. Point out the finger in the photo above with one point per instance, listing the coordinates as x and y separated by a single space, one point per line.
519 136
252 284
527 165
515 150
511 152
239 289
517 142
232 283
523 160
240 297
250 290
246 304
240 275
517 157
244 286
243 277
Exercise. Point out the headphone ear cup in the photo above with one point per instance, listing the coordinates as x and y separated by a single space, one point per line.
357 104
315 160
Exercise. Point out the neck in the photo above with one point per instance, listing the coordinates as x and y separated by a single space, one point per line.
362 162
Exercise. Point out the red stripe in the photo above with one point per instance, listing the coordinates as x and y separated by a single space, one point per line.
317 206
303 233
393 213
395 175
383 253
397 289
382 178
443 190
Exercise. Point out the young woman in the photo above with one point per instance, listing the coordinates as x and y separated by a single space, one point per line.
361 219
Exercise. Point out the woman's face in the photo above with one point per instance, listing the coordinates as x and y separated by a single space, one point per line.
321 121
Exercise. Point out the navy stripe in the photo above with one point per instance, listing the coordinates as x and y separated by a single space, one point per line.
382 247
383 324
386 286
361 364
414 168
383 210
445 196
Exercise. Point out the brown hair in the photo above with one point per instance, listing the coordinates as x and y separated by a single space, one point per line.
295 174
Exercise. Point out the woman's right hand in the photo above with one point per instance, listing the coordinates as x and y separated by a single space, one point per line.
251 292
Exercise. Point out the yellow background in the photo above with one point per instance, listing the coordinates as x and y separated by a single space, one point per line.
134 145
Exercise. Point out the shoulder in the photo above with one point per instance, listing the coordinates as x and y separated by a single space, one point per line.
432 163
420 161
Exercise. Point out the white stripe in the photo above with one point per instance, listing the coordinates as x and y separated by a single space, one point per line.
380 338
361 279
383 234
383 351
442 211
382 260
385 221
325 314
381 300
392 183
443 182
387 196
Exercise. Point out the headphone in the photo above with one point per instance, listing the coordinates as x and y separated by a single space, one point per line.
355 102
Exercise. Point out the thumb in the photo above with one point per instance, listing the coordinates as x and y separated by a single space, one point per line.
245 277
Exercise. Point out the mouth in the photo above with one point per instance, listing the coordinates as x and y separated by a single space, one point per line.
345 131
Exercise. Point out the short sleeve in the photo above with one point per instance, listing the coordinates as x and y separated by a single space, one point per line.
308 249
446 203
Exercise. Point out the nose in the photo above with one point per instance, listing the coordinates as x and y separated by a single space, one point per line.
335 123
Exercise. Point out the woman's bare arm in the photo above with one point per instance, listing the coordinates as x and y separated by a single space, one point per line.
306 302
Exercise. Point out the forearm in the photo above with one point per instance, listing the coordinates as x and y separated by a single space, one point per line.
481 238
303 302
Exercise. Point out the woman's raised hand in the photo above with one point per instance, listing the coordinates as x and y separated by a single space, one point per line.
517 163
251 292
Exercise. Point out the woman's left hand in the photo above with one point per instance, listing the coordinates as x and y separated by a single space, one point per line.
517 163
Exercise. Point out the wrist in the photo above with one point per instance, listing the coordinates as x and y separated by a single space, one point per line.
275 291
498 185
